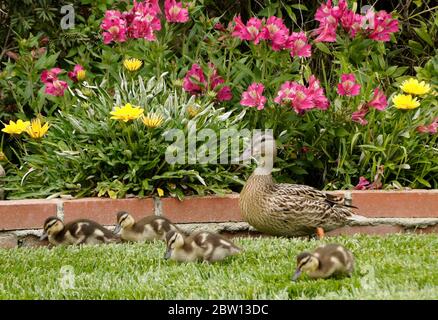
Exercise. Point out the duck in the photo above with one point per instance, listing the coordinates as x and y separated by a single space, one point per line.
283 209
81 231
199 246
326 261
147 229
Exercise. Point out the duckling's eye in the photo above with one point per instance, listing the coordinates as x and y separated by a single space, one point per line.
50 225
304 262
123 219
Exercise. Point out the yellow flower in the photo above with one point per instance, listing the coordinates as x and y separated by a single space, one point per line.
160 192
2 156
192 111
152 120
413 86
81 75
16 128
403 101
132 64
127 112
36 130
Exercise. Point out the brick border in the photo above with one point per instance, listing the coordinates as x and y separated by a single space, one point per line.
30 214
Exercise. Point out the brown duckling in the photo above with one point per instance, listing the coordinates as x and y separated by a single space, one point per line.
324 262
80 231
204 246
147 229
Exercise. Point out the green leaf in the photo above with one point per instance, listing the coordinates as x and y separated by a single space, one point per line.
423 34
423 182
299 7
321 46
341 132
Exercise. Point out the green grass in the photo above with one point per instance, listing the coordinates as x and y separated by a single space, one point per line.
391 267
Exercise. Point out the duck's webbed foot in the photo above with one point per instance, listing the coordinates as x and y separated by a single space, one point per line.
320 233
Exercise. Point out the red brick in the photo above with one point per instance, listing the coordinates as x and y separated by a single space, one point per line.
104 211
25 214
376 230
8 240
202 209
407 204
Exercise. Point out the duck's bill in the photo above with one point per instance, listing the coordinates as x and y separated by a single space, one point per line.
296 275
44 236
167 254
117 229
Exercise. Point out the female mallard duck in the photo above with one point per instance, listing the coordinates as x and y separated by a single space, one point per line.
147 229
204 246
326 261
76 232
283 209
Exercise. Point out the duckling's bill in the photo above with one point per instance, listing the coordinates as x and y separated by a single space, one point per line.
296 275
117 228
167 254
44 236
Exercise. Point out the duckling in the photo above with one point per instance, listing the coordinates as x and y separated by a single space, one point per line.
326 261
147 229
205 246
81 231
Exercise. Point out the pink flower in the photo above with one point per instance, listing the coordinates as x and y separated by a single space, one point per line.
174 12
73 75
352 22
297 43
250 32
276 32
326 32
48 76
219 26
348 86
363 184
431 128
224 94
324 11
328 17
296 95
359 115
253 96
114 26
56 88
194 81
216 81
381 26
379 101
143 20
317 93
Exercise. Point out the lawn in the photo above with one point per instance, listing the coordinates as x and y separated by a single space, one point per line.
390 267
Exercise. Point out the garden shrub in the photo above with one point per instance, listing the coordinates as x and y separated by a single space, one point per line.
349 91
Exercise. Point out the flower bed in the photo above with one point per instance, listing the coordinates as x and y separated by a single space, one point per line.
330 80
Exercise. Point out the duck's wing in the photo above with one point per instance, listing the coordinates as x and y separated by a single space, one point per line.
307 191
306 206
